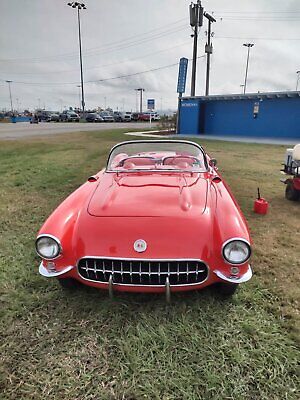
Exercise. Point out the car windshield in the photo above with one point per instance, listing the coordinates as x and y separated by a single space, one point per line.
160 155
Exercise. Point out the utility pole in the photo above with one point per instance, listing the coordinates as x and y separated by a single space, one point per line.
249 45
298 78
141 90
196 21
9 88
79 6
208 50
79 89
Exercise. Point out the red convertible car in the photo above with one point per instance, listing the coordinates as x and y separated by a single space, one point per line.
158 218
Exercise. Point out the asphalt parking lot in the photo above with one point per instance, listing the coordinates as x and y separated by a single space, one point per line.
23 130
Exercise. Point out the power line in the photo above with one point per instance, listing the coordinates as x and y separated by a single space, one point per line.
258 19
110 45
99 80
253 38
99 66
256 12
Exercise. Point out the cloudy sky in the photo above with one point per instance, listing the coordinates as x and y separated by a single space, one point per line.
39 50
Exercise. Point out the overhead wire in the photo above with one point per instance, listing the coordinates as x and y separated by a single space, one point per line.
99 66
99 80
112 46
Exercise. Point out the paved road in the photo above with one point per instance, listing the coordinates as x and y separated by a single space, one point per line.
23 130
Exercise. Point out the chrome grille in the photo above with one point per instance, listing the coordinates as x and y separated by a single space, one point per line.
143 272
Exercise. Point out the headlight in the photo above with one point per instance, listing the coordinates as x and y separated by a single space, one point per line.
48 247
236 251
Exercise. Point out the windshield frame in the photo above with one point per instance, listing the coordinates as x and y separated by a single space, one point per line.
157 170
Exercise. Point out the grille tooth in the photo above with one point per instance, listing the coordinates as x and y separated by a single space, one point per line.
143 272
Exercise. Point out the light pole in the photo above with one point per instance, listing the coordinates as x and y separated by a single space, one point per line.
9 88
298 78
141 90
79 87
79 6
249 45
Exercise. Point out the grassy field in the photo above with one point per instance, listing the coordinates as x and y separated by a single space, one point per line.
81 345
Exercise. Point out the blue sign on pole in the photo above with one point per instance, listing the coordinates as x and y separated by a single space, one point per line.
151 104
183 66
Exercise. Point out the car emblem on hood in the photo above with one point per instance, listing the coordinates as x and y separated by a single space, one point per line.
140 246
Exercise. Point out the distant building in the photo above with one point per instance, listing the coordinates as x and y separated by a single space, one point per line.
274 115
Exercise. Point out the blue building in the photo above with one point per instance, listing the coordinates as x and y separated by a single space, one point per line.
272 115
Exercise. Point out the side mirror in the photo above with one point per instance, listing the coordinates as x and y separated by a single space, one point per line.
212 162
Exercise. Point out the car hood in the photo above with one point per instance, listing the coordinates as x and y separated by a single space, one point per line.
149 195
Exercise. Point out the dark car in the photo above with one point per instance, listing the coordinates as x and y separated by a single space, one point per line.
118 116
43 115
135 116
94 117
69 116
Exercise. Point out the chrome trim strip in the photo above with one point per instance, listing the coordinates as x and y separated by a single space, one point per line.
232 240
110 286
149 260
233 279
168 291
52 237
158 141
143 259
44 272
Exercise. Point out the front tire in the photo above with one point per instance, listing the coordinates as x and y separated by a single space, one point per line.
291 193
226 289
68 283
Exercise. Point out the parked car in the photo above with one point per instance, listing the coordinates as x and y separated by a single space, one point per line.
118 116
107 117
127 116
69 116
135 117
159 218
43 115
53 117
122 117
94 117
146 116
34 119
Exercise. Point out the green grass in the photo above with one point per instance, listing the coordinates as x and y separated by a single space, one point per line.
81 345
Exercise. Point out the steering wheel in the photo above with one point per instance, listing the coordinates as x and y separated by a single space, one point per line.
175 159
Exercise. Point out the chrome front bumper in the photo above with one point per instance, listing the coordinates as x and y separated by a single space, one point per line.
44 272
234 279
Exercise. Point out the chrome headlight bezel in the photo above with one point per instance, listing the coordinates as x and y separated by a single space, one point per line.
56 243
233 240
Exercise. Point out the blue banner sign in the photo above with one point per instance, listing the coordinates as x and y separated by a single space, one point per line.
183 66
151 104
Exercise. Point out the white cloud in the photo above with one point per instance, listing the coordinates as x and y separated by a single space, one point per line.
39 44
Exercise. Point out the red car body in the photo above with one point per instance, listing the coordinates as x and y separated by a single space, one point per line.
148 230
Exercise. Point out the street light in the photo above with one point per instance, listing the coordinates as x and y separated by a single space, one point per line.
141 90
79 90
9 88
79 6
249 45
298 78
